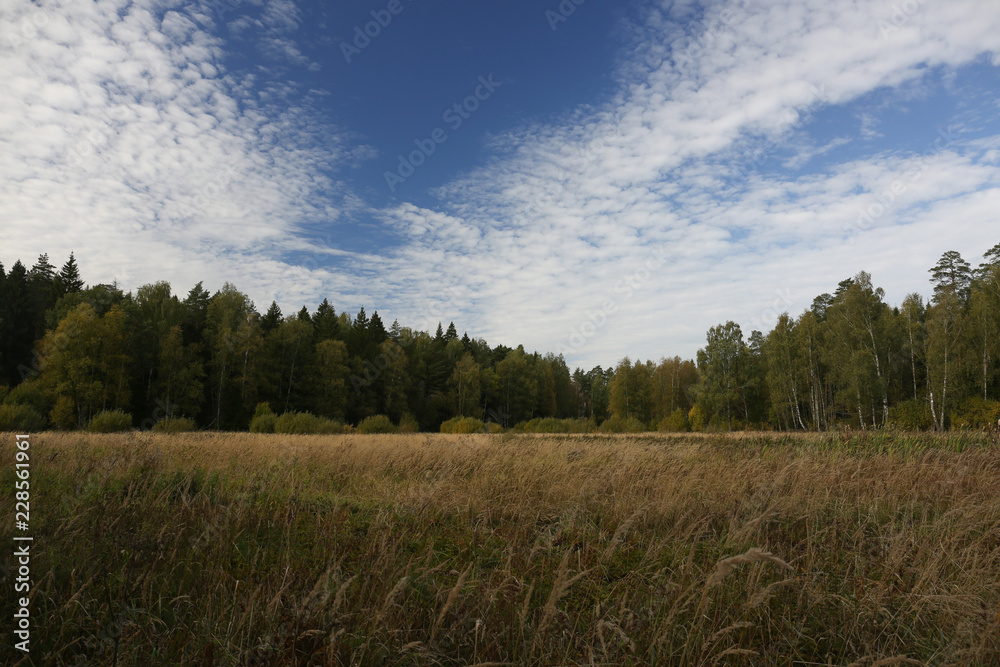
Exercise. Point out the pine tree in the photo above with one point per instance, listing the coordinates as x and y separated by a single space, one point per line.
326 322
272 318
43 270
376 330
953 276
69 277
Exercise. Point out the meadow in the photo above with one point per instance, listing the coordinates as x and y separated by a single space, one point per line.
863 549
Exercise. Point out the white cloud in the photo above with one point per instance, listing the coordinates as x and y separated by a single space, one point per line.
127 141
571 210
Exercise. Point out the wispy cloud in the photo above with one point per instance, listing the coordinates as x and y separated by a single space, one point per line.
127 140
568 210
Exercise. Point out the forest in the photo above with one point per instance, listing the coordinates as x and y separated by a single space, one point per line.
74 356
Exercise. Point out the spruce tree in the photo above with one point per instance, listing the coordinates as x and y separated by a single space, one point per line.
69 277
271 319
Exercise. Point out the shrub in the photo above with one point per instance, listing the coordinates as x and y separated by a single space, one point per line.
376 424
976 413
4 390
63 415
20 418
29 393
409 424
676 422
263 423
462 425
696 418
301 423
912 415
494 428
174 425
618 424
110 421
263 419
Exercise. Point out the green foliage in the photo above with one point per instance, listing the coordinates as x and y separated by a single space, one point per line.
175 425
619 424
263 423
31 394
462 425
64 415
20 418
110 421
409 424
305 423
851 361
977 413
676 422
911 415
376 424
696 418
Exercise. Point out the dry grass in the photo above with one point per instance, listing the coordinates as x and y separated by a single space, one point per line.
756 549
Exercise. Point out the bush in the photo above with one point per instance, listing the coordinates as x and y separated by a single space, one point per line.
4 390
174 425
302 423
494 428
64 415
20 418
409 424
376 424
912 415
618 424
463 425
110 421
263 419
29 393
676 422
696 418
976 413
263 423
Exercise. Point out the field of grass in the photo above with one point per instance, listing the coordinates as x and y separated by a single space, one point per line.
750 549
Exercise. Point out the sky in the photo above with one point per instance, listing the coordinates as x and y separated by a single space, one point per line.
594 178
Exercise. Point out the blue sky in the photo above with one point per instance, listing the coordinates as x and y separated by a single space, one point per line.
627 177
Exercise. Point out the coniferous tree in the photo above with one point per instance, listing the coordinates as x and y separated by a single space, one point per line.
952 275
69 277
326 323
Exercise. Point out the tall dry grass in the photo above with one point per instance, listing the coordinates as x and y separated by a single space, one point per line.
756 549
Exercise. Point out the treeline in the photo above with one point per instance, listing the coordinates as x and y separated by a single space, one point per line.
71 355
